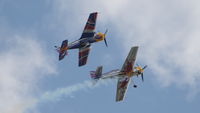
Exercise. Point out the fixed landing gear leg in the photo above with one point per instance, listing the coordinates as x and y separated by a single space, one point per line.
135 86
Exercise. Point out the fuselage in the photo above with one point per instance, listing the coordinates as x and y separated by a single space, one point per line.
84 42
117 73
81 43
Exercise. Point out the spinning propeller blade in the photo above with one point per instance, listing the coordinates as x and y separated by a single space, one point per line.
142 77
144 67
105 38
105 42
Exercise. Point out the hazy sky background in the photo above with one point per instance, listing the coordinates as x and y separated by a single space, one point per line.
32 80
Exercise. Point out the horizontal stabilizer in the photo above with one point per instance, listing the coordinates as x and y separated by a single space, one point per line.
63 49
96 74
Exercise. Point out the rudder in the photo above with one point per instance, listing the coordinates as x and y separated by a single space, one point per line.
96 74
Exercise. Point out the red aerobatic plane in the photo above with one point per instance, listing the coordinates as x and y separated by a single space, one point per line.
124 75
88 37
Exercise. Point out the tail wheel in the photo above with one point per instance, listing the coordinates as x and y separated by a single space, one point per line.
135 86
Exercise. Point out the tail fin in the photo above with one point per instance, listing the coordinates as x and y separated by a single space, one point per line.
95 75
64 44
57 49
63 49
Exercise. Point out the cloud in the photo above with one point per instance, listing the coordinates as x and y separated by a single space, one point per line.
23 62
166 31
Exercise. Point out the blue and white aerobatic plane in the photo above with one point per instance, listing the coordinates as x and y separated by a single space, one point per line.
88 37
124 75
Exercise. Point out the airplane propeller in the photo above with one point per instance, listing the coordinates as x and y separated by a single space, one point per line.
105 37
144 67
142 75
137 66
141 71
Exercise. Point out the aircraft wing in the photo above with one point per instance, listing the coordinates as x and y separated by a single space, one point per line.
130 60
122 88
88 31
83 55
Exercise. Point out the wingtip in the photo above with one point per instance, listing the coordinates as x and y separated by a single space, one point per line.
60 59
135 47
80 65
118 100
94 12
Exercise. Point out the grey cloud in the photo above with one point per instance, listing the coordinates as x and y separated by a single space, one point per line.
23 63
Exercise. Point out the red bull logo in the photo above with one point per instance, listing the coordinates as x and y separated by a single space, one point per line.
129 68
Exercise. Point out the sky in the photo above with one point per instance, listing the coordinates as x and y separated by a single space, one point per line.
32 80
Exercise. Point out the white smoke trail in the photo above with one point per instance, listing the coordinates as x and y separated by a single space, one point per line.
69 90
